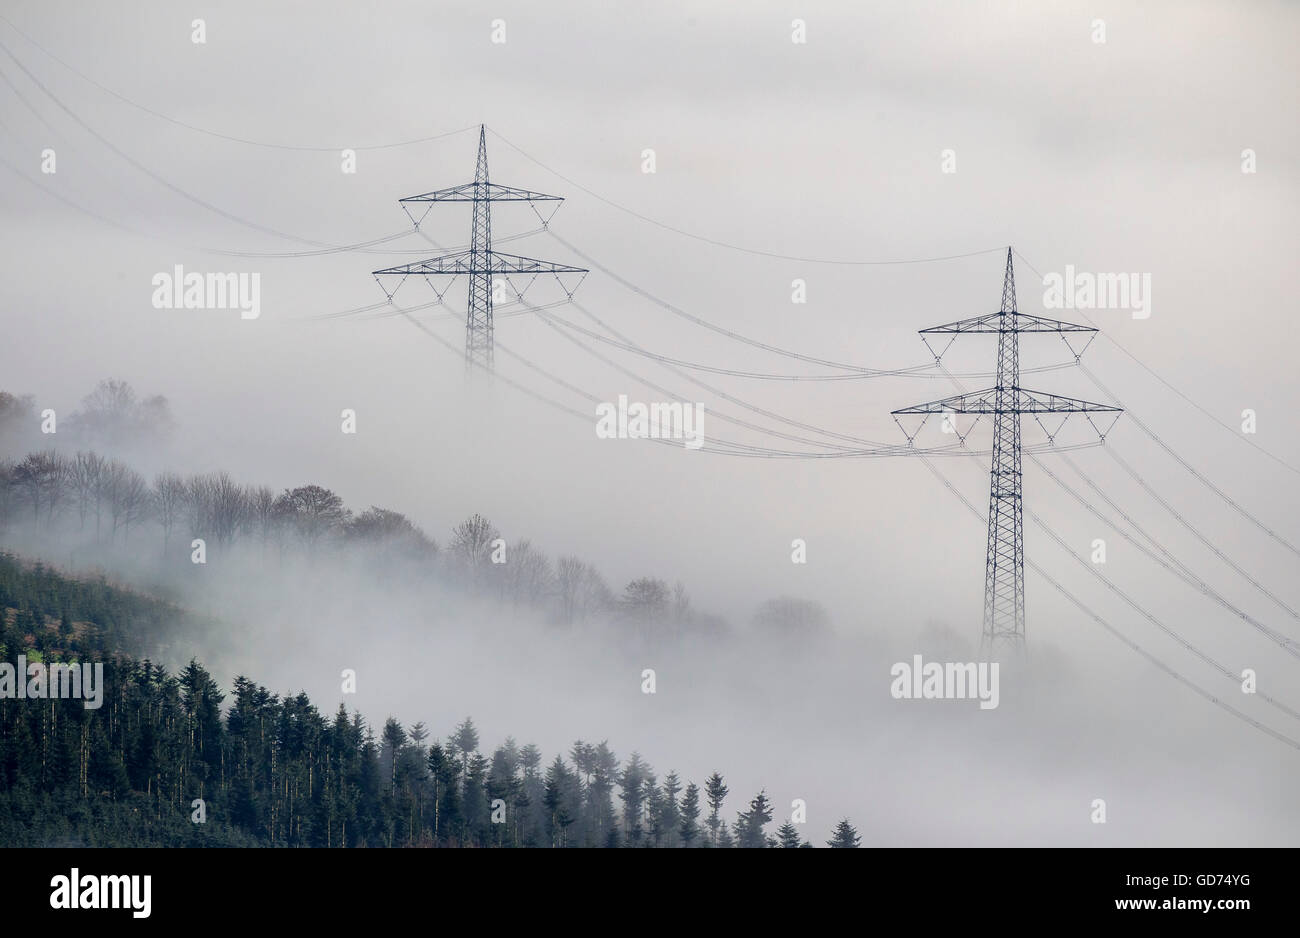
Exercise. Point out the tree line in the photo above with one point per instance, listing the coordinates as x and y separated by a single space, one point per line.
106 501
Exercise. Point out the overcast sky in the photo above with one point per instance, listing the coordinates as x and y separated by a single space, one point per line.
1117 156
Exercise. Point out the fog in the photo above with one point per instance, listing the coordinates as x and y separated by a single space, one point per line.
1120 156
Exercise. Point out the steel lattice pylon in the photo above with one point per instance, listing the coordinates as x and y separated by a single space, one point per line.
1004 564
478 315
480 263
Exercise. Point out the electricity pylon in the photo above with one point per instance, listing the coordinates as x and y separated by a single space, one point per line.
480 262
1004 565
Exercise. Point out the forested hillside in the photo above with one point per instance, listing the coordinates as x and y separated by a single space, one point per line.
273 770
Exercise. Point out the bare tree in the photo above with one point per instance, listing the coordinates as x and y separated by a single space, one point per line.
229 507
528 578
106 412
17 417
112 413
645 598
580 590
198 505
86 481
471 546
263 513
314 512
8 489
169 495
390 530
682 612
377 525
42 478
128 497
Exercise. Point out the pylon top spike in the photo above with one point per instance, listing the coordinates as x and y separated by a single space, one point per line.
1009 287
481 166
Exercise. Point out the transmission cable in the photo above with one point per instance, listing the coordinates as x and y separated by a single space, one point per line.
212 133
1150 658
735 247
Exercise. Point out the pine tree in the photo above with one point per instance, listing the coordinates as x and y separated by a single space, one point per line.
394 738
690 812
787 835
671 817
465 741
844 836
558 817
446 815
750 824
632 793
716 791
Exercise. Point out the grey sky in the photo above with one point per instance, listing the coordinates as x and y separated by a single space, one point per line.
1115 157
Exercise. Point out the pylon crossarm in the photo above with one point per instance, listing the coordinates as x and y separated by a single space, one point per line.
1013 401
1041 402
482 192
496 263
1006 322
460 263
1026 322
973 402
514 263
987 323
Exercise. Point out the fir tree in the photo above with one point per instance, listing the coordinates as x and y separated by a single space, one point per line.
844 836
787 835
690 812
715 790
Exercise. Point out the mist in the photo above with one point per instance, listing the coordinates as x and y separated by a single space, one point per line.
1072 152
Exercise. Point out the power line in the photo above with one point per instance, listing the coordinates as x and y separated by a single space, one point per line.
736 247
857 441
767 376
135 232
1240 509
645 294
873 450
1169 561
1149 370
230 216
212 133
1150 658
656 387
728 447
362 247
1110 585
1197 533
1237 506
